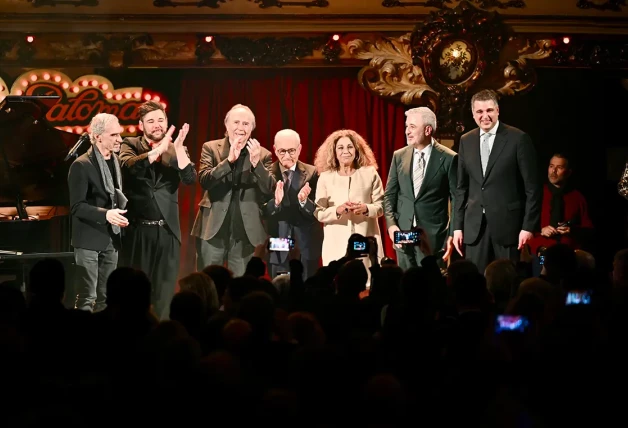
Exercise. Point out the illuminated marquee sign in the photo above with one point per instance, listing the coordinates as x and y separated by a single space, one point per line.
82 98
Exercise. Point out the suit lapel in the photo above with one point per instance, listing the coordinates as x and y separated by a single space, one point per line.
223 149
472 147
300 169
498 147
406 164
433 165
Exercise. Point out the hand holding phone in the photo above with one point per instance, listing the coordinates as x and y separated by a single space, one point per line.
411 237
280 244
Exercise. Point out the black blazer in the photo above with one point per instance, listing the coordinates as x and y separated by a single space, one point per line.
308 232
89 203
142 184
510 192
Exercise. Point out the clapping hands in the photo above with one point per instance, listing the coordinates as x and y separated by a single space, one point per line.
357 208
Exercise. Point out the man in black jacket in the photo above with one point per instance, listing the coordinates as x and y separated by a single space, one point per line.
498 196
153 168
97 211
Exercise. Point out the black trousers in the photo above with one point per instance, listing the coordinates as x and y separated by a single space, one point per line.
156 251
484 250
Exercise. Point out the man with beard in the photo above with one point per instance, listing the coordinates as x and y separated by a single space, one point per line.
97 209
564 212
153 169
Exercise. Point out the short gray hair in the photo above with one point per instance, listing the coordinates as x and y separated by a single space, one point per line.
427 116
243 107
288 133
99 123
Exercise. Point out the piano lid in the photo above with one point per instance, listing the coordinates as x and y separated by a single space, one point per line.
33 175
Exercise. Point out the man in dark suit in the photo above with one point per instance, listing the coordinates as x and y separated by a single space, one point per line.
498 199
97 214
153 168
420 187
237 182
291 212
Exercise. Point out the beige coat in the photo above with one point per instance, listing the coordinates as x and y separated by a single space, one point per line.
363 186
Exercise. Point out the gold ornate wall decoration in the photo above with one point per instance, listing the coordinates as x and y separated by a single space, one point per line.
85 50
444 4
264 4
40 3
439 4
449 56
456 48
612 5
214 4
518 75
390 73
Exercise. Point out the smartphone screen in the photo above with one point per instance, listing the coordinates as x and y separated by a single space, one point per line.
359 246
517 323
280 244
578 298
406 237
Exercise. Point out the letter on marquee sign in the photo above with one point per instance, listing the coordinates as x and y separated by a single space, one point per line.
82 98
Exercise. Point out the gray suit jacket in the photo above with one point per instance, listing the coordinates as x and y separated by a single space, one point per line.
431 205
216 178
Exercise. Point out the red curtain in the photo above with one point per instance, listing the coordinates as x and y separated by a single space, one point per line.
313 102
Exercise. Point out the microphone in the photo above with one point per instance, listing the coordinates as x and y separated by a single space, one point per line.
72 153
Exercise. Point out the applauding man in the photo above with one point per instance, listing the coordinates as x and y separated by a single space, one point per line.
291 211
153 167
234 173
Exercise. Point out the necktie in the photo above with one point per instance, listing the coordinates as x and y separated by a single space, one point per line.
485 151
417 173
287 174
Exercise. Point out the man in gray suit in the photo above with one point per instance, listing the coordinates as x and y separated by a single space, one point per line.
291 212
236 182
421 185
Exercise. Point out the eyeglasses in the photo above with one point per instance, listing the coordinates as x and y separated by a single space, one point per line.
282 152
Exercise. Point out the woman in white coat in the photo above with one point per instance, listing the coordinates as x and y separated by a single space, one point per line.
349 193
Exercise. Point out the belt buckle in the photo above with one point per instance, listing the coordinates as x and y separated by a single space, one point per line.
161 222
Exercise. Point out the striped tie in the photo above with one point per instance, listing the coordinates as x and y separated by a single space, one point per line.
418 173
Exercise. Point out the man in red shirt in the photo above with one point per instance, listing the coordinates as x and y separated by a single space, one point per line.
564 213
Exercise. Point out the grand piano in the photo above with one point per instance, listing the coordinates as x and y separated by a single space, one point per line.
34 198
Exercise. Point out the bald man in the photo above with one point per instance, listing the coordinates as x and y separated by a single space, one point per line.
291 212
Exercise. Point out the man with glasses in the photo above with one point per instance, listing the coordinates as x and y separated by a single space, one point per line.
291 212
